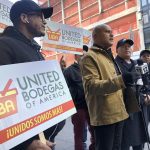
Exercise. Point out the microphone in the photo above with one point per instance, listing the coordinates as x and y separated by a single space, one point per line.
142 69
85 48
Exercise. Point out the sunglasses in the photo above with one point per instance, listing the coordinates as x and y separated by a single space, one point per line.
36 14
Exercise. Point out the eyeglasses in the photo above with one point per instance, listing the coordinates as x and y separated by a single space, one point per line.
37 14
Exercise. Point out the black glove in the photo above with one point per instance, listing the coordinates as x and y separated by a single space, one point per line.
129 78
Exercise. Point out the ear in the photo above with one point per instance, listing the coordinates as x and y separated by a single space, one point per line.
24 18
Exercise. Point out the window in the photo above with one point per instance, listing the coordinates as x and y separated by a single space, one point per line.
147 37
145 18
144 2
147 46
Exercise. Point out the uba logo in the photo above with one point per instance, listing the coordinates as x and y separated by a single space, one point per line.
86 39
53 35
8 101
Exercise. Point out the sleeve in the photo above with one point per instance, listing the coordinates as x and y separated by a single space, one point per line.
6 53
70 84
67 76
93 82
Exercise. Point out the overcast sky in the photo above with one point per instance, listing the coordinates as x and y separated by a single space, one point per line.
17 0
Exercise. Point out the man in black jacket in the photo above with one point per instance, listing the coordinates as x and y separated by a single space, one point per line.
74 81
145 56
18 46
133 131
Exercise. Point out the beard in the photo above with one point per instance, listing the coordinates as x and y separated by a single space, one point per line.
35 30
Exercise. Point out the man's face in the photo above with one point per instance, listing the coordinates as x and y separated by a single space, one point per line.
125 51
146 57
104 37
36 24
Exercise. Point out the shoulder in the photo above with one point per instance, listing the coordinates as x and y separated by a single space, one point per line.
91 56
5 43
67 70
134 61
4 40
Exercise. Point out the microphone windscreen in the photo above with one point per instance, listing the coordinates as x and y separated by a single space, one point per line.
85 48
139 62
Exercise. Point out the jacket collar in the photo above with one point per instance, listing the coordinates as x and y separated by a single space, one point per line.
122 60
11 31
107 53
97 48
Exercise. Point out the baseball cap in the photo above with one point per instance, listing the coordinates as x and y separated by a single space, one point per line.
27 6
123 41
144 51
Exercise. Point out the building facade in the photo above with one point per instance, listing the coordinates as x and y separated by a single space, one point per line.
124 17
145 9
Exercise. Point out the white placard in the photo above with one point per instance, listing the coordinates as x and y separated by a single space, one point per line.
65 38
5 6
33 97
87 38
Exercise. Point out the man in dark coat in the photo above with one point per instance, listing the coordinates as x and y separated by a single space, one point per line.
74 81
145 57
134 133
18 46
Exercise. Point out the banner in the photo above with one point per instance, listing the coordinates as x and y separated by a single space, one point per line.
65 38
33 97
87 38
5 6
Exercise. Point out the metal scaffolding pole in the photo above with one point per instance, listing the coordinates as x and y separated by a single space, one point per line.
140 24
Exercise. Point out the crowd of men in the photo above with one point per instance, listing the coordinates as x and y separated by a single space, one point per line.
103 88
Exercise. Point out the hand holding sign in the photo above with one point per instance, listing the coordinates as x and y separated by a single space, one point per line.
62 63
37 144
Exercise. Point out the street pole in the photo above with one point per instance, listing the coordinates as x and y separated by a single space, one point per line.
140 25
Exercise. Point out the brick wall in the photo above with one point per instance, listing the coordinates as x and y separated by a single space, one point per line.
91 14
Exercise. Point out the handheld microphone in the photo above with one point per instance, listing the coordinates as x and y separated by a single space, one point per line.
142 69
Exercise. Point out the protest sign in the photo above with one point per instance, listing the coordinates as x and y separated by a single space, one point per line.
33 97
5 6
87 38
65 38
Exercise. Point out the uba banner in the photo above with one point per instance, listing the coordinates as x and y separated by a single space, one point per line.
33 97
5 6
65 38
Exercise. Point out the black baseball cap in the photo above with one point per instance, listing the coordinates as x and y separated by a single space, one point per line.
123 41
27 6
144 52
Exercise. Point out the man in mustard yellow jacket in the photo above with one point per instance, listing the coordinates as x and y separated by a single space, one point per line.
103 84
